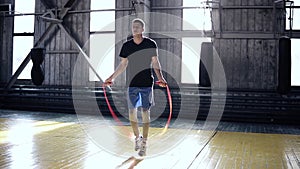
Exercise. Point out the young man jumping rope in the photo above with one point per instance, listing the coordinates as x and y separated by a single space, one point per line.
139 55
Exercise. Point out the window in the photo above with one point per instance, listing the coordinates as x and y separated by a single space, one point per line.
22 46
102 56
191 49
102 20
295 51
295 14
102 28
23 36
196 18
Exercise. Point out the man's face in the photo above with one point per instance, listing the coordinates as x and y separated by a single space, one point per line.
137 28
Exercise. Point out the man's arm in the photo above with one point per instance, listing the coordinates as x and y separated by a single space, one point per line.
157 69
120 69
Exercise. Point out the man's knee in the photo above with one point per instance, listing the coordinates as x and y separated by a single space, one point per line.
146 116
133 115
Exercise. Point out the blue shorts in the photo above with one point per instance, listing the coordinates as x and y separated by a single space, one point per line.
140 97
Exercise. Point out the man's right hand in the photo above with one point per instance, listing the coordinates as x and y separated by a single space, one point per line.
162 82
108 82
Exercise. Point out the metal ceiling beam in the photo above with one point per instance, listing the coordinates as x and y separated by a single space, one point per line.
75 43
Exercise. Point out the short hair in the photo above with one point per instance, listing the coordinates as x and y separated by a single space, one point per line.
138 20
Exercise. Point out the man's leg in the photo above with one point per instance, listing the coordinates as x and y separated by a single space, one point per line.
147 102
146 125
135 128
146 122
134 122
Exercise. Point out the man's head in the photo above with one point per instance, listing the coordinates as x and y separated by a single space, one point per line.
138 26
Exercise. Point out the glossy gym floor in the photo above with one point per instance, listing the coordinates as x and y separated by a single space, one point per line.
56 140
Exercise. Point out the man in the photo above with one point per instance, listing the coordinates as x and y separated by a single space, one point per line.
139 55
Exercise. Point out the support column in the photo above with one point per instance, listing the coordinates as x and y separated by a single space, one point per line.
143 12
6 44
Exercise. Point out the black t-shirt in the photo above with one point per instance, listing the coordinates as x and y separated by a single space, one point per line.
139 70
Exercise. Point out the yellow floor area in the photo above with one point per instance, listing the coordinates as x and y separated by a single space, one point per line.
50 144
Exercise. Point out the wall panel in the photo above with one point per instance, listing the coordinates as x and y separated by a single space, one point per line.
249 60
59 66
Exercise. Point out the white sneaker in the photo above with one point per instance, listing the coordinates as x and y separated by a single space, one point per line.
138 142
143 148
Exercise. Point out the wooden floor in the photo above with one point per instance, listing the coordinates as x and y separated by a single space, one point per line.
41 140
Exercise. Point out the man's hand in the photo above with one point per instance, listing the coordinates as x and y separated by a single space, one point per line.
108 81
157 69
162 82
